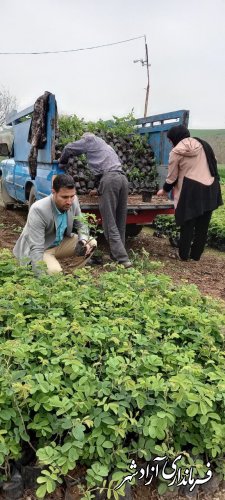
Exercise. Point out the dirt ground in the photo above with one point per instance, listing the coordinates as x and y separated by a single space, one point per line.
207 274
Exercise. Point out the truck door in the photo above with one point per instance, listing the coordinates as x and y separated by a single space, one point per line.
8 175
156 128
43 181
21 175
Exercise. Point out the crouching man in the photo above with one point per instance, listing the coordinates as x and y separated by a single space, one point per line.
47 235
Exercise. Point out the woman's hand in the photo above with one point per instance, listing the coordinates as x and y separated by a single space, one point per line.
93 192
161 192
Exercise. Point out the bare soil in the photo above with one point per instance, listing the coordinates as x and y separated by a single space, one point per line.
208 273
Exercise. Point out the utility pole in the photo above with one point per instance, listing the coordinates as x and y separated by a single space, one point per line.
145 63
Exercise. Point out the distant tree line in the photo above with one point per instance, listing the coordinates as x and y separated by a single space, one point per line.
8 102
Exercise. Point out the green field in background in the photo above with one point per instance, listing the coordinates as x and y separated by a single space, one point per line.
208 132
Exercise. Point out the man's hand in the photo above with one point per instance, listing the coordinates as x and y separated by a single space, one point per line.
88 250
161 192
93 192
89 246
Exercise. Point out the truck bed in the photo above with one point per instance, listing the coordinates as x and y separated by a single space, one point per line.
138 213
134 203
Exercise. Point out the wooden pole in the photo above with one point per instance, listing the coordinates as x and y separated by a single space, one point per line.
148 80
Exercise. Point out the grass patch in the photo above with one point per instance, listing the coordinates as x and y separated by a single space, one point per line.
221 170
208 132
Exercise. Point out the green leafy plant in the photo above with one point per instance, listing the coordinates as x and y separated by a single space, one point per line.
132 148
95 370
221 170
48 481
91 221
71 128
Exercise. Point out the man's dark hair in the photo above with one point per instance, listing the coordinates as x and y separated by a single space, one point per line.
63 181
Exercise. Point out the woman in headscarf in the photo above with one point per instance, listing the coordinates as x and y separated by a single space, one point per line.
192 172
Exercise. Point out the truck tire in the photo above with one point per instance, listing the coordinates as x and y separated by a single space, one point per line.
133 230
32 197
6 199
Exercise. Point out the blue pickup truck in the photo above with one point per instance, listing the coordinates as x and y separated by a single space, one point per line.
17 187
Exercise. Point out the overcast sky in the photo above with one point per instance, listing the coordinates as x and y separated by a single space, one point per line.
186 42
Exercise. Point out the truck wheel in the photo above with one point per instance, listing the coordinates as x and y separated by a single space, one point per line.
133 230
6 199
32 197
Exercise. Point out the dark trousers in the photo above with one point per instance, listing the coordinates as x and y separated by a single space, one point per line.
113 190
193 236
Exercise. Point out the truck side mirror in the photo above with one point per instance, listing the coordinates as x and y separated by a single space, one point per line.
4 150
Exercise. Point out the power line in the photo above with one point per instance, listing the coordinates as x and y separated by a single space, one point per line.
70 50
